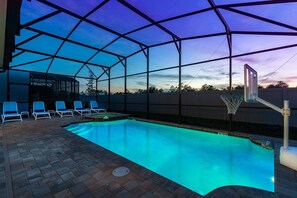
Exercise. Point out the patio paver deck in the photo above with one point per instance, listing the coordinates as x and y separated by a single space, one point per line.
41 159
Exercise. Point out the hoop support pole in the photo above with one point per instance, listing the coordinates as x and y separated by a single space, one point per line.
272 106
285 112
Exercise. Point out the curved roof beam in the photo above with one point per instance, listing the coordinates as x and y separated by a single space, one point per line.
74 28
174 36
56 56
88 21
87 62
27 40
30 62
256 3
170 19
40 19
158 22
95 77
69 40
213 60
161 21
189 38
108 44
222 19
266 33
17 54
261 18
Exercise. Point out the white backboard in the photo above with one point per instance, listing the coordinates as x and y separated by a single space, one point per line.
250 84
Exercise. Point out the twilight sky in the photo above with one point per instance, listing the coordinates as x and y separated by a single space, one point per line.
271 66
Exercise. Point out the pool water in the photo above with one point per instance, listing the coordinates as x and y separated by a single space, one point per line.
198 160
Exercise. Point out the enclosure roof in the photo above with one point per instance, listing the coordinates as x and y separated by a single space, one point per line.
68 36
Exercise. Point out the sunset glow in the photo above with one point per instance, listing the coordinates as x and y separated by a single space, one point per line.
272 66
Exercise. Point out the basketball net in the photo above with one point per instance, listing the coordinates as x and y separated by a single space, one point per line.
232 102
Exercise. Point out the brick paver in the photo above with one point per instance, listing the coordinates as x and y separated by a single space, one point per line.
47 161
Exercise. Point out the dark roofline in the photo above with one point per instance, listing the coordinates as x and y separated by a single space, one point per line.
12 27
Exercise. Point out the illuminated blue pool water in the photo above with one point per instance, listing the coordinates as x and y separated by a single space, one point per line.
197 160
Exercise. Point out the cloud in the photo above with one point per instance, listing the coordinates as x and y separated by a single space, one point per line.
267 75
187 76
204 77
258 59
250 60
167 76
184 76
227 73
141 83
291 78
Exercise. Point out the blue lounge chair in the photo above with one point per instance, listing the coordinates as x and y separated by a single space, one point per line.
78 107
61 109
10 110
94 107
39 110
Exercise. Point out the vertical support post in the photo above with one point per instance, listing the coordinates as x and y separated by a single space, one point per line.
74 89
179 83
29 92
229 35
96 92
8 86
47 96
125 86
109 89
65 90
147 83
60 89
286 114
230 62
71 89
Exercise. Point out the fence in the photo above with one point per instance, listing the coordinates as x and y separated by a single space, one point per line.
207 104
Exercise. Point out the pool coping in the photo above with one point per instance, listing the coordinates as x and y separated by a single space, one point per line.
256 139
118 116
252 138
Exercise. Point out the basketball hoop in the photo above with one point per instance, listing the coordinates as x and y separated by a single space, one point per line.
288 154
232 102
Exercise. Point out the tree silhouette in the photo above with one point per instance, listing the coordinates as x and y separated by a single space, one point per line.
184 88
239 87
279 84
91 90
153 89
207 87
140 91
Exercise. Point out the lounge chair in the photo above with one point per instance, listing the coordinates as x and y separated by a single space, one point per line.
79 108
10 110
61 109
94 107
39 110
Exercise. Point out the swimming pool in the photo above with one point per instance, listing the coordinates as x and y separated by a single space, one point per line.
200 161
